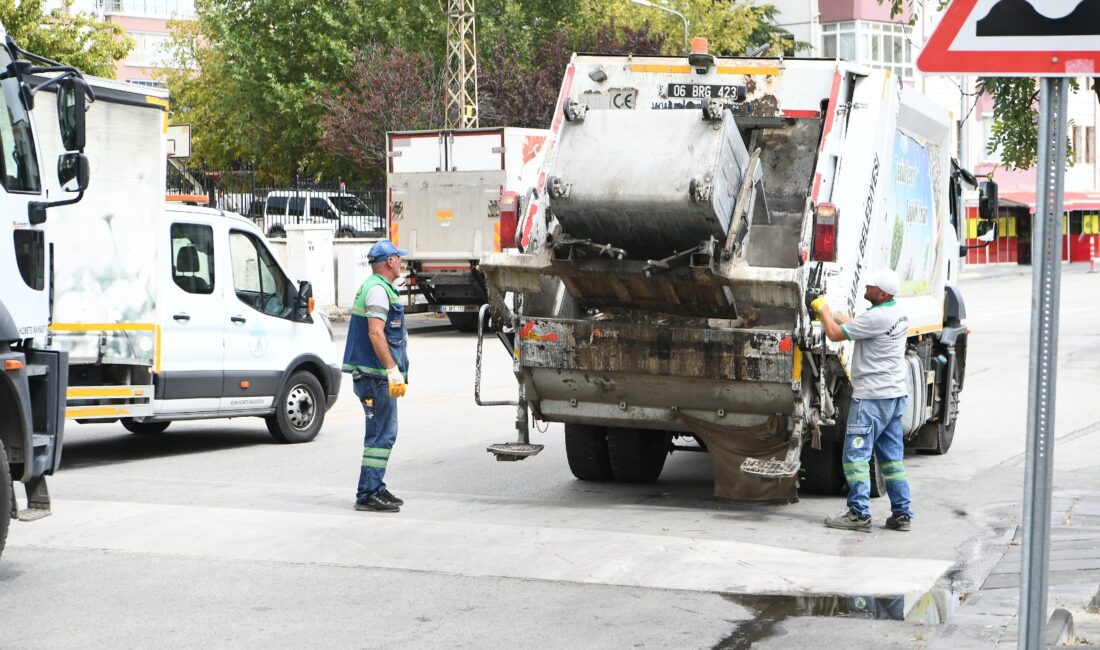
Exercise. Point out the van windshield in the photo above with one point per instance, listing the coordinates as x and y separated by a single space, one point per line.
351 206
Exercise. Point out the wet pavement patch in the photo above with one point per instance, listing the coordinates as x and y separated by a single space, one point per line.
771 611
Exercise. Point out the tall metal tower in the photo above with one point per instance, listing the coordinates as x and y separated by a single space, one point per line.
461 106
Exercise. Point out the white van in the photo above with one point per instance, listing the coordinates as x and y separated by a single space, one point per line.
348 214
175 312
232 335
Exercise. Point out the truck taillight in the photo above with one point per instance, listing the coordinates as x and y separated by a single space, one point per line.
825 233
509 217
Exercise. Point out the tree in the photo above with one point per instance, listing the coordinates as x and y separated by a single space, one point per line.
75 39
385 90
515 92
250 74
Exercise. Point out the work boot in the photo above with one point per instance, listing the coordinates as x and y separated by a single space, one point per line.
849 521
898 522
389 496
376 503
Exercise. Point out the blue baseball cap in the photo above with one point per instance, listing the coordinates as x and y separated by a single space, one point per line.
384 249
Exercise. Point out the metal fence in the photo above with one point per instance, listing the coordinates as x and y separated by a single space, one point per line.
352 211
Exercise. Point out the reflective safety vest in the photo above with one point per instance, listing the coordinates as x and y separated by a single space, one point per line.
359 354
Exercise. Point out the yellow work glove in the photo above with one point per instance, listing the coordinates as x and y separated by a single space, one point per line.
397 382
818 303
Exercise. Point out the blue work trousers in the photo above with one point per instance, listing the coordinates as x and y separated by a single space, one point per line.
875 424
381 415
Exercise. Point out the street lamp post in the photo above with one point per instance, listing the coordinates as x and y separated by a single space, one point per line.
647 3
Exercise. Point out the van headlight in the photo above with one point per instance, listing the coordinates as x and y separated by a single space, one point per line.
328 325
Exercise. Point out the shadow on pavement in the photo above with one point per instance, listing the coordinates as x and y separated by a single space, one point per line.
125 447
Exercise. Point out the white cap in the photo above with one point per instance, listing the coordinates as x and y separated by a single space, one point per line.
884 279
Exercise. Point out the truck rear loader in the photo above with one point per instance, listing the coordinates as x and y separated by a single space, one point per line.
688 211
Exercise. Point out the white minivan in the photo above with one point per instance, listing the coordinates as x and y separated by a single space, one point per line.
234 337
348 214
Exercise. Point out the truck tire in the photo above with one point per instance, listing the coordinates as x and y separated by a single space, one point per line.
276 232
5 497
940 435
299 410
144 428
637 455
821 471
345 232
878 480
586 451
463 321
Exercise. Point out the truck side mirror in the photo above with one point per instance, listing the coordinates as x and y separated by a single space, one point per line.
987 200
70 113
987 231
72 172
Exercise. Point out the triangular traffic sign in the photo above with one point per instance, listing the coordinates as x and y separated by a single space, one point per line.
1016 38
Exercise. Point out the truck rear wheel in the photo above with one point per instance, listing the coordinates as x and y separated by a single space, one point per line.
586 450
5 497
143 428
821 471
463 321
299 410
637 455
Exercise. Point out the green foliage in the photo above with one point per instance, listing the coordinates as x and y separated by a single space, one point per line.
272 81
75 39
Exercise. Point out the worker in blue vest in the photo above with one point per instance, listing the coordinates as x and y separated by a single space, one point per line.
376 357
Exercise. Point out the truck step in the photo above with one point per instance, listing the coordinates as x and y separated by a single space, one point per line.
770 468
511 451
32 514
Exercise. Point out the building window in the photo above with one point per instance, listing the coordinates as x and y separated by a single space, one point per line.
884 46
151 83
150 49
149 8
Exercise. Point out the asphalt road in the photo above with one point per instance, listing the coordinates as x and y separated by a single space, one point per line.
212 533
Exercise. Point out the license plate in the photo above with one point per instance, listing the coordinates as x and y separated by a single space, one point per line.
458 308
706 91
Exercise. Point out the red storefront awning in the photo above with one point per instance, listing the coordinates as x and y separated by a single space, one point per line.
1071 202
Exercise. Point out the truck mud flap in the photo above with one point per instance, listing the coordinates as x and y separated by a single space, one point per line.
730 447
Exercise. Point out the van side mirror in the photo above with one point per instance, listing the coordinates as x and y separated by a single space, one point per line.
330 213
72 172
303 304
988 204
71 113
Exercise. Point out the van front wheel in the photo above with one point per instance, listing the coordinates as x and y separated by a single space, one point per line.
299 410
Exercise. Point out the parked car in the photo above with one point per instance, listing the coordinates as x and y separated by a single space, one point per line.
350 216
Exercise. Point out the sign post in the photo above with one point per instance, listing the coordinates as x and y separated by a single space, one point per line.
1052 41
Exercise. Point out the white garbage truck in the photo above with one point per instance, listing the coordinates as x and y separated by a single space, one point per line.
452 196
689 210
32 377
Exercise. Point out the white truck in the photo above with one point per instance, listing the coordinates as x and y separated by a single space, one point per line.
175 312
689 210
452 196
32 378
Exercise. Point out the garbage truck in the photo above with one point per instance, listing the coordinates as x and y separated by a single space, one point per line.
688 211
32 377
453 195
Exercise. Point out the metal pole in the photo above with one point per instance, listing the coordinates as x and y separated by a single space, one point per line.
1046 256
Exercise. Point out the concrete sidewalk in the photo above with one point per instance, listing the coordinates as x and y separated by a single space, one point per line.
988 618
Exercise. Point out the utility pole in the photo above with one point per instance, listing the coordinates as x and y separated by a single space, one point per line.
461 111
